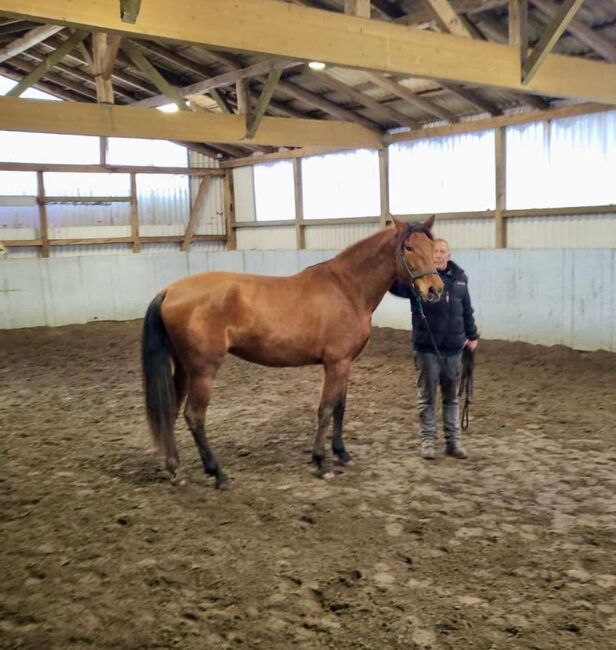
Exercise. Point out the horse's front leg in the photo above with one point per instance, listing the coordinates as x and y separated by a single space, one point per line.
332 396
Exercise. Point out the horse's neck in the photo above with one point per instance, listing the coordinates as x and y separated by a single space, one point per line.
368 267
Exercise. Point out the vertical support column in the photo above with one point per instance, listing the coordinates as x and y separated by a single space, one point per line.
359 8
229 210
102 142
44 231
300 238
500 153
384 185
134 214
518 33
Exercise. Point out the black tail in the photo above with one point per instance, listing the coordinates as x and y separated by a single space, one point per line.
160 401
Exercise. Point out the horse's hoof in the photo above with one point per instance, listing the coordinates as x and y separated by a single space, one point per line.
327 475
224 484
178 481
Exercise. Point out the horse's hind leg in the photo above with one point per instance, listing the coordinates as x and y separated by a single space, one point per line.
196 406
332 395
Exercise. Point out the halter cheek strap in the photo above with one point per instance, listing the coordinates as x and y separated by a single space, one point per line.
415 275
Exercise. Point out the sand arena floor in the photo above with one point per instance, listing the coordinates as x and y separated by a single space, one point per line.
514 548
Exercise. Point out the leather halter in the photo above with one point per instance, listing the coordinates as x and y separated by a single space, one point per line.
415 275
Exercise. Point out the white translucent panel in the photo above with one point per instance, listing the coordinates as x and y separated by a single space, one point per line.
65 184
566 162
163 199
17 146
18 184
274 189
31 93
341 185
448 174
137 151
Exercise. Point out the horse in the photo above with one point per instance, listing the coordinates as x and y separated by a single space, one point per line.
321 315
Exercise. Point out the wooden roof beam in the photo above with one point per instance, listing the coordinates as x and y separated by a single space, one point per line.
129 10
547 42
361 98
401 91
39 71
333 38
254 117
222 80
42 116
26 41
584 33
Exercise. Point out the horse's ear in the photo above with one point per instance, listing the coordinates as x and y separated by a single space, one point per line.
398 225
429 222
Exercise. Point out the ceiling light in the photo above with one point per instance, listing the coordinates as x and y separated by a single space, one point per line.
168 108
316 65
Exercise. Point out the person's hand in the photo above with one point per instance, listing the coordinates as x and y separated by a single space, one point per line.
471 345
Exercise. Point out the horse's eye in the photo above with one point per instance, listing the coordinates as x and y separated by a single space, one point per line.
408 248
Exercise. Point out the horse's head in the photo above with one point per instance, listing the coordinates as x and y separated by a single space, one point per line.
414 263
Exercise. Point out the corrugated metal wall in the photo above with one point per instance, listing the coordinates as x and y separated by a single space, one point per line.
337 236
548 297
582 231
272 238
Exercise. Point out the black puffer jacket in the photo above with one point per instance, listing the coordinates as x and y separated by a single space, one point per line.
451 319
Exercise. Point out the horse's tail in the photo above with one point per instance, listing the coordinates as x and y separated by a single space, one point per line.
159 388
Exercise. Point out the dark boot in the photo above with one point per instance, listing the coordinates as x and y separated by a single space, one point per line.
455 448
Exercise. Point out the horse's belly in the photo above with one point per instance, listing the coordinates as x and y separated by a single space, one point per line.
273 356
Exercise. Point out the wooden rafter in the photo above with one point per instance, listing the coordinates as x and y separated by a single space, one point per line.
325 105
421 15
100 63
401 91
584 33
334 38
222 80
447 18
42 116
47 64
547 42
471 97
137 57
254 117
28 40
359 8
384 111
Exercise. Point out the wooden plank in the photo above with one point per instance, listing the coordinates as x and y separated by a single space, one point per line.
137 57
43 116
471 97
160 239
17 201
86 199
108 169
288 154
577 211
194 213
382 110
111 53
47 64
254 117
129 10
300 235
229 201
447 18
384 185
547 42
220 81
28 40
583 32
102 150
500 162
401 91
44 230
314 34
100 51
134 214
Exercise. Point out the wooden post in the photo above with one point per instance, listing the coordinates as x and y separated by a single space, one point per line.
134 214
44 234
102 144
229 211
384 185
300 237
194 212
500 153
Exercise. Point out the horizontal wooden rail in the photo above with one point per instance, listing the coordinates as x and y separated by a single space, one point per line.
156 239
108 169
86 199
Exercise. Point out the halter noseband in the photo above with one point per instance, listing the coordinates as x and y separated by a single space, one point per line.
414 275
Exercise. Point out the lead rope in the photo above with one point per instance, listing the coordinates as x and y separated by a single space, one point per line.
466 384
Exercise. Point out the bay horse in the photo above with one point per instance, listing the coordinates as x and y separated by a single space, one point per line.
321 315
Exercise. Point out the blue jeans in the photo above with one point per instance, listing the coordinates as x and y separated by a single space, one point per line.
431 373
